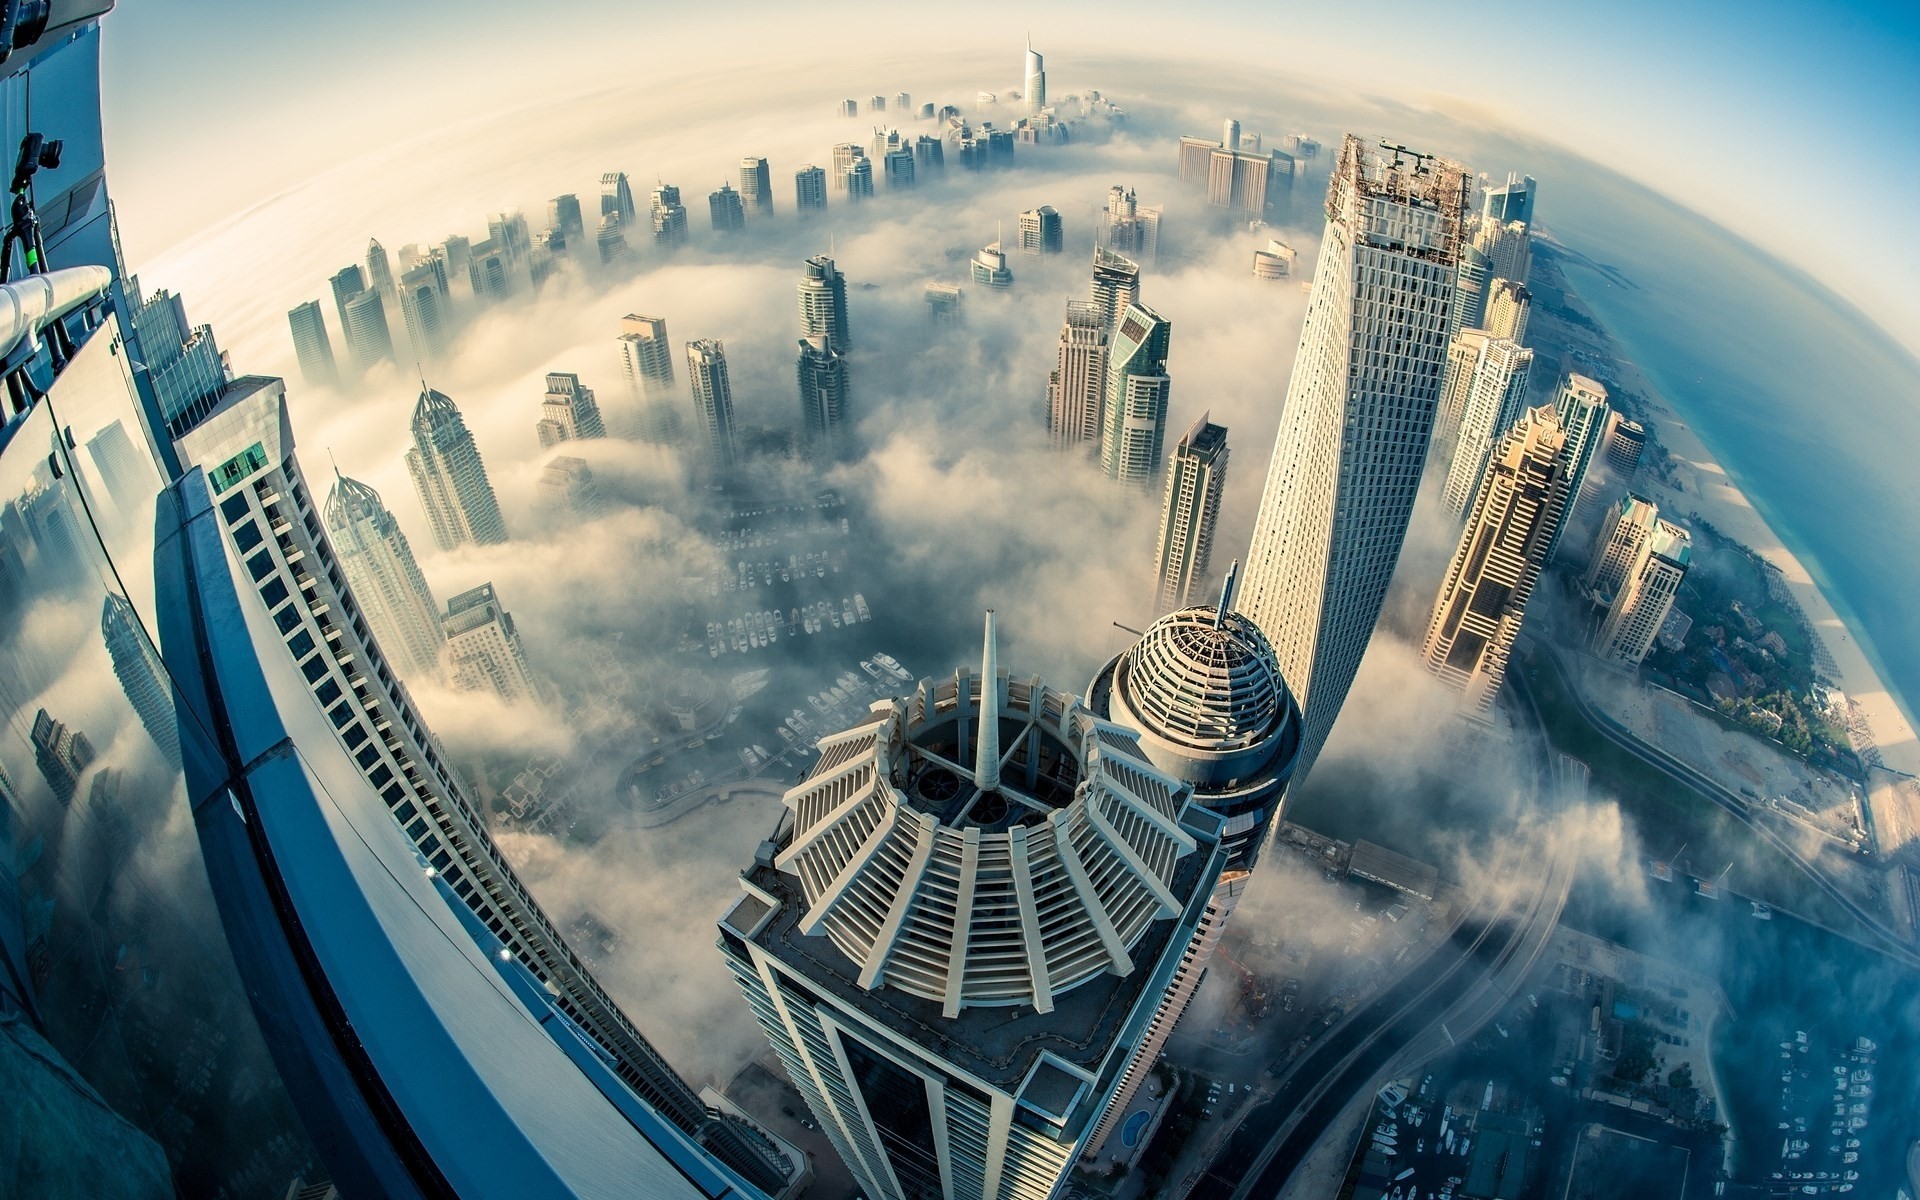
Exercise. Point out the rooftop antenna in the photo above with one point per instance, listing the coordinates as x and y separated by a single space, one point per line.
986 761
1226 595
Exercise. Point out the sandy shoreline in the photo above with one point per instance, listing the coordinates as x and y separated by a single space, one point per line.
1707 492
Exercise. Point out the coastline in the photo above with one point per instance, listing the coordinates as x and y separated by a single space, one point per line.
1705 491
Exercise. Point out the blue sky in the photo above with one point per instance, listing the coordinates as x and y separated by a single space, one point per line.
1784 120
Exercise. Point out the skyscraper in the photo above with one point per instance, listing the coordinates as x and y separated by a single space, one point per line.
646 356
1196 477
1355 426
1040 231
385 579
669 217
1115 286
1508 304
367 334
728 213
823 302
142 677
1520 504
563 214
1624 535
379 270
1582 408
810 189
616 197
483 647
312 346
1133 416
568 411
449 476
1040 902
424 305
1077 385
712 404
1495 395
1036 89
756 187
1633 620
822 373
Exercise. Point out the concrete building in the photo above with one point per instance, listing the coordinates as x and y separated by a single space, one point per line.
1133 410
1508 304
1354 430
809 190
756 187
1582 407
381 571
312 346
822 295
1625 533
616 198
1036 82
669 217
1040 231
990 268
646 359
483 647
1519 506
1495 396
1115 285
1196 478
728 212
449 476
568 411
957 964
1077 385
712 405
1634 618
822 376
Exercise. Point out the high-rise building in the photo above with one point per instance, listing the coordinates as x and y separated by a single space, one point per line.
449 476
844 156
1115 286
380 569
367 335
616 197
1495 396
379 270
1078 384
312 346
646 357
1582 407
989 267
1520 503
424 306
142 677
858 183
1196 477
1036 87
1355 425
669 217
563 214
568 411
1624 534
756 187
484 653
1508 304
346 283
998 935
1633 620
567 483
823 302
1040 231
944 302
712 404
822 373
1511 201
729 214
1133 411
810 189
1128 228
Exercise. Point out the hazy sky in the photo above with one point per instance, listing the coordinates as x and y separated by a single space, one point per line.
1762 112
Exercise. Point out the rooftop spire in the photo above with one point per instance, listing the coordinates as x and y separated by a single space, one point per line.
986 762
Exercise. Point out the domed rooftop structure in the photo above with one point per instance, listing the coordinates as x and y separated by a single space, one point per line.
1008 882
1203 690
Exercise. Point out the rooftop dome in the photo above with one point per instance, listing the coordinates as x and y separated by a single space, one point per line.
1206 680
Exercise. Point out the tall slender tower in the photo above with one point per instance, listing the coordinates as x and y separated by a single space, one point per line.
1359 411
312 346
1076 386
1582 408
756 187
1036 90
712 403
1196 476
1133 418
1496 393
1520 504
823 302
646 355
385 579
822 374
451 479
568 411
